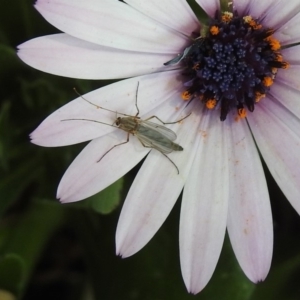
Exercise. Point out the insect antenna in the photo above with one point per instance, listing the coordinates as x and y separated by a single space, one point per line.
97 106
112 125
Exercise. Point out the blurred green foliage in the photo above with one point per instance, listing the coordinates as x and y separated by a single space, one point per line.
54 251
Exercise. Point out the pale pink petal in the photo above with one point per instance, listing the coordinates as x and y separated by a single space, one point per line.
204 206
249 222
258 9
291 55
287 96
241 6
153 90
281 12
64 55
151 196
210 7
175 14
112 24
289 32
276 132
87 175
290 76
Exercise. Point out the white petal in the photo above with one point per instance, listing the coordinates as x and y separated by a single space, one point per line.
249 222
87 175
112 24
64 55
156 188
241 6
258 9
290 76
280 12
175 14
210 6
291 55
204 206
153 90
288 33
276 132
287 96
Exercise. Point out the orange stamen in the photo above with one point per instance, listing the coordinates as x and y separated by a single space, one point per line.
242 113
275 44
268 81
285 65
211 103
252 23
279 57
186 95
259 96
214 30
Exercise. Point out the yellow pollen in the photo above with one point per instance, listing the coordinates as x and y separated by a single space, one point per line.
214 30
274 72
211 103
247 19
259 96
279 57
267 81
242 113
227 16
186 95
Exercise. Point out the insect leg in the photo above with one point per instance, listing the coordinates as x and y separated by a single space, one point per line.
162 154
167 122
114 147
136 95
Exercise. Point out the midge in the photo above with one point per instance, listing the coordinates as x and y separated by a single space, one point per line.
150 134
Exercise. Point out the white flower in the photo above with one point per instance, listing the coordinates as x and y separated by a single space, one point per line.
220 169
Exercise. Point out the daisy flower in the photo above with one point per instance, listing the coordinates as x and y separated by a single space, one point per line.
239 71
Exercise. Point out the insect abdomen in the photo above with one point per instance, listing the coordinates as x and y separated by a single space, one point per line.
177 147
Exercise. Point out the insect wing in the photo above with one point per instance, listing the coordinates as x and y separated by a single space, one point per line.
156 136
168 133
164 146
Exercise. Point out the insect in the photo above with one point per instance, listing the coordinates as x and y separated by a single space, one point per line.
187 51
150 134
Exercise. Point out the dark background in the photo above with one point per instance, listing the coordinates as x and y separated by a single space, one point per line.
54 251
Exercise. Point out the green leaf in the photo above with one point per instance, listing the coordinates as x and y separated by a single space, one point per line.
282 282
226 5
107 200
15 181
231 282
9 62
23 238
11 273
5 135
199 12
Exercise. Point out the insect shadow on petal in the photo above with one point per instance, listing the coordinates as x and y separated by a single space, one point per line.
150 134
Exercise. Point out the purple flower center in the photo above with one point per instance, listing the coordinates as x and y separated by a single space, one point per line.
232 65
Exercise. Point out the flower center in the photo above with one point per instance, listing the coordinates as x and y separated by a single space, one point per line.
232 66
